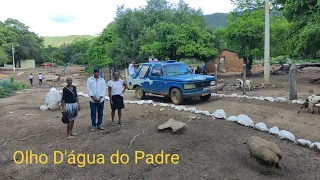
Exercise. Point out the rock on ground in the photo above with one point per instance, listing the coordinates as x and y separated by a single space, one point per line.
220 114
261 127
303 142
274 130
232 118
245 120
283 134
264 150
173 124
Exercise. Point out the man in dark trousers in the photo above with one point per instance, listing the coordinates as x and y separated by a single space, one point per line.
97 88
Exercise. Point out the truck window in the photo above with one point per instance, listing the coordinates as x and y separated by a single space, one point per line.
176 69
156 71
144 71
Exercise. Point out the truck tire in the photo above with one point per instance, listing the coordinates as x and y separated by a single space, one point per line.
176 96
139 92
205 98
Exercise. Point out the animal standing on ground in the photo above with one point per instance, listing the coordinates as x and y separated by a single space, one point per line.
248 83
310 103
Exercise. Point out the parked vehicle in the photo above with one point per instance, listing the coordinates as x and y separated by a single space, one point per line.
48 64
172 79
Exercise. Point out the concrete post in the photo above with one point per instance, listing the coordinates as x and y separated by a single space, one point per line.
244 79
216 71
293 82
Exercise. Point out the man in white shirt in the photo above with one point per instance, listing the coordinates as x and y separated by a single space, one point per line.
97 91
131 68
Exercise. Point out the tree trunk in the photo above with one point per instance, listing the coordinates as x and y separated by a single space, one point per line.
248 61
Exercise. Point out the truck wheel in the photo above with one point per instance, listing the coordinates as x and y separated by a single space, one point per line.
139 92
176 96
205 98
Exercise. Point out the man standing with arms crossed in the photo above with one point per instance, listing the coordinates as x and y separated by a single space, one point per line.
97 91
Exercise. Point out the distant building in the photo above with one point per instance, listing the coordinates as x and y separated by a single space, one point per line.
227 61
27 64
23 64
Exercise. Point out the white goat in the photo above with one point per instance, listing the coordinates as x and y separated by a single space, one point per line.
311 102
248 83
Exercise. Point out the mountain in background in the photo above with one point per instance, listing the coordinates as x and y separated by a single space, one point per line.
57 41
217 20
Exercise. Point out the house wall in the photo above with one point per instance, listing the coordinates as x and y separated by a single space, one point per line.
232 62
27 64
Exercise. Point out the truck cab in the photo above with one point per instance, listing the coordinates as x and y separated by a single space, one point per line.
172 79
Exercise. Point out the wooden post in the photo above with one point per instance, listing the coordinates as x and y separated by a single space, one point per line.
216 71
244 79
194 69
293 82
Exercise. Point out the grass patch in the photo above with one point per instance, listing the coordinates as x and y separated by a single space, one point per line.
9 86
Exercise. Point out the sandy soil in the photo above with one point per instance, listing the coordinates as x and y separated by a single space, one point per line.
208 148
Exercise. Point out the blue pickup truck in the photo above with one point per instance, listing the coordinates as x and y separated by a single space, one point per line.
172 79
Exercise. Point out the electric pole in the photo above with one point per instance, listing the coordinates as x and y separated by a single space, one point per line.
267 45
14 66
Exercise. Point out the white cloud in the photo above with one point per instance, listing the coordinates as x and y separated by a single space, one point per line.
84 17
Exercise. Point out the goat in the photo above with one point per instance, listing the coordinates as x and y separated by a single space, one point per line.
310 103
248 83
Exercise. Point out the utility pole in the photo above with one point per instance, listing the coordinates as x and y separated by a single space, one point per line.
14 66
267 45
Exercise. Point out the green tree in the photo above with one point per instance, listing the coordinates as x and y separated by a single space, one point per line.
180 41
304 17
244 34
30 44
3 56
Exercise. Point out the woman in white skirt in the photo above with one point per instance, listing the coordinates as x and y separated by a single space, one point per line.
70 105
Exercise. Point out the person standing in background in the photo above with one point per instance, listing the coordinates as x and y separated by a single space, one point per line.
31 79
115 91
153 59
97 91
40 79
131 68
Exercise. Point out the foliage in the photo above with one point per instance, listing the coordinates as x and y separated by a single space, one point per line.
57 41
3 56
180 41
168 31
217 20
28 45
9 86
304 16
302 37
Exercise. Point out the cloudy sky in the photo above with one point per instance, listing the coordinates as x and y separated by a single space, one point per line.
82 17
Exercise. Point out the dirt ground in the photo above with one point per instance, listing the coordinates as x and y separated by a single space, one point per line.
208 148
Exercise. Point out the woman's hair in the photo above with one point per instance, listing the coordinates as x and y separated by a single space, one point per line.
69 77
115 72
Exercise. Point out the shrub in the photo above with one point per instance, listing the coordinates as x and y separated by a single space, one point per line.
9 86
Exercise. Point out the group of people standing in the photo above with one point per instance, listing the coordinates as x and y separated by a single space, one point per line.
97 90
40 78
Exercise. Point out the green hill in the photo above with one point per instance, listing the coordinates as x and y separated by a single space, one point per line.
217 20
57 41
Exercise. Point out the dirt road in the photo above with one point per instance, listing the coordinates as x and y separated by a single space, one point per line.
208 148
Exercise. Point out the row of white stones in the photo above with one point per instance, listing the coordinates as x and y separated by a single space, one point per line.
241 119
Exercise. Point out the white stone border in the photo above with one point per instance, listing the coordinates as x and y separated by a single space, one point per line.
242 119
261 98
